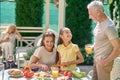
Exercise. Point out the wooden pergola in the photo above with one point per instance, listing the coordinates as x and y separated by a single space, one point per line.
61 17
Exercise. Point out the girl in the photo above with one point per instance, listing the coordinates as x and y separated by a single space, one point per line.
7 40
45 55
69 53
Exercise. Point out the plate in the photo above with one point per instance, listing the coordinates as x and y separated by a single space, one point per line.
15 73
42 74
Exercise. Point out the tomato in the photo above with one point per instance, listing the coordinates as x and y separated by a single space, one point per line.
69 74
25 72
65 73
28 74
31 73
60 71
27 67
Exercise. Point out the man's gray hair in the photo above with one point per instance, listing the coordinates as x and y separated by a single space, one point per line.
96 5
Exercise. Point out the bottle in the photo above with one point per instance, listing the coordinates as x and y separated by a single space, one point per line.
3 58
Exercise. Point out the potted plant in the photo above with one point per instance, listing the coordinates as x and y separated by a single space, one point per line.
28 54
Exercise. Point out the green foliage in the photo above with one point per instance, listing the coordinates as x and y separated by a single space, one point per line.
88 59
77 20
29 12
114 9
29 53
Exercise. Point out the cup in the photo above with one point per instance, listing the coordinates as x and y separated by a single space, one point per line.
88 48
55 72
2 71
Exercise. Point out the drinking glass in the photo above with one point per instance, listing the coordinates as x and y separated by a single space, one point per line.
88 48
10 60
55 72
2 70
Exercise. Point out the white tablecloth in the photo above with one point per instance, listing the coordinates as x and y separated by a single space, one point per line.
6 77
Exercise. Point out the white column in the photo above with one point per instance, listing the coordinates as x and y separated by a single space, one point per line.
47 13
61 18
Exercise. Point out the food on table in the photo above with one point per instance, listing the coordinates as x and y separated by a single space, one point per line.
68 73
65 73
27 72
57 65
79 74
27 67
37 75
42 75
15 73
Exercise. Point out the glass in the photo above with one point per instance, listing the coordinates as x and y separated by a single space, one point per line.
10 60
55 72
2 71
88 48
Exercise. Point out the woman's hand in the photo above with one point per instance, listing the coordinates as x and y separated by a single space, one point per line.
44 67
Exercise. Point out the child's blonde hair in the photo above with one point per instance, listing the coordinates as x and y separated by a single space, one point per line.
10 27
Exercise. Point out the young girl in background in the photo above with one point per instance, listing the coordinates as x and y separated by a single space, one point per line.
7 40
69 53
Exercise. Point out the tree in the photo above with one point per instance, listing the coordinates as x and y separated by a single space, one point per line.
77 20
114 9
29 12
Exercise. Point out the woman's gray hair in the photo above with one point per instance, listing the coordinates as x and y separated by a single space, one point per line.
98 5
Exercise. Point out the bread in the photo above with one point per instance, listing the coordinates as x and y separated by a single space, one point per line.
15 73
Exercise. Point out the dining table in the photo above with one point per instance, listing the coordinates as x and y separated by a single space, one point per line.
8 77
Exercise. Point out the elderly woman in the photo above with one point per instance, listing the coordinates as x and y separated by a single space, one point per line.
7 39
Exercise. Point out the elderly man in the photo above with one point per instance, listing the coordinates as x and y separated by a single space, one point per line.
106 41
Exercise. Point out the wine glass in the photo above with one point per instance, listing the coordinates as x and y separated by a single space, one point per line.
88 49
10 60
2 70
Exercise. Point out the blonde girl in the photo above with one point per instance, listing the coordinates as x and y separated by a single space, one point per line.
7 39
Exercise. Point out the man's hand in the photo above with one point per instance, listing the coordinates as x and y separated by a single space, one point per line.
102 62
